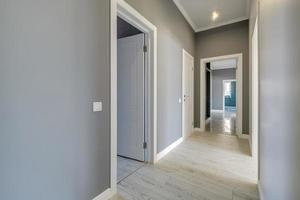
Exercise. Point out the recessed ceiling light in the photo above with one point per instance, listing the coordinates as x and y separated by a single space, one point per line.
215 15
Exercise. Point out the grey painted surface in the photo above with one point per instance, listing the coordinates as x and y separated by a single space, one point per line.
174 33
218 76
54 62
125 29
279 99
230 39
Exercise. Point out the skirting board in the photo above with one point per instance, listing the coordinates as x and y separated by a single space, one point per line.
260 192
107 194
168 149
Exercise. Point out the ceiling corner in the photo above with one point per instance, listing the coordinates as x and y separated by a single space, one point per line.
185 14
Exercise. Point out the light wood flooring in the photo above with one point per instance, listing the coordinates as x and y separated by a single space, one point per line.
205 166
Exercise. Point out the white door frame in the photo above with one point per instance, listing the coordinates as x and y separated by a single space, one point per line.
223 96
125 11
255 92
185 53
239 79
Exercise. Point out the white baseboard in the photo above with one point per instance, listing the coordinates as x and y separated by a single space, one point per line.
107 194
260 192
168 149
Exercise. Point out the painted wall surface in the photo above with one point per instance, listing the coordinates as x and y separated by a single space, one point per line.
54 62
279 99
218 76
229 39
174 33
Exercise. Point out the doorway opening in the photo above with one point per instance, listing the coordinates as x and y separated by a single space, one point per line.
134 56
221 94
131 136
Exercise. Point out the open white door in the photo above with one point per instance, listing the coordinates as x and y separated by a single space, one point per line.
187 94
131 97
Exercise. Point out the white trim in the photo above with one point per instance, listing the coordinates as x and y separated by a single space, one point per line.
223 95
167 150
125 11
185 14
107 194
185 53
239 89
260 191
239 19
113 97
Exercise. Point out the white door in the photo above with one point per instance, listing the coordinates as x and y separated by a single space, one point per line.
131 97
188 94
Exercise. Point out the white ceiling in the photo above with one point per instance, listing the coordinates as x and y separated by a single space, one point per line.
223 64
199 12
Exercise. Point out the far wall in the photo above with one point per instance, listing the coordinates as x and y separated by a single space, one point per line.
225 40
218 76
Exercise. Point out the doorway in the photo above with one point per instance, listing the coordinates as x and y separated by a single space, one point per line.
131 136
121 9
209 101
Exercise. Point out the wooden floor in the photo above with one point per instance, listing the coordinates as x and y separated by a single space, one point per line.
206 166
126 167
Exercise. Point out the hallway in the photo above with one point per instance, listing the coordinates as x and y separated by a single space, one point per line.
205 166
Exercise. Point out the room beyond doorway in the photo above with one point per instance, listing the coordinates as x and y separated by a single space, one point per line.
212 99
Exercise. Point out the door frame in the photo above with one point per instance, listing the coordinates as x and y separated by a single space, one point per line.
126 12
239 91
185 53
223 96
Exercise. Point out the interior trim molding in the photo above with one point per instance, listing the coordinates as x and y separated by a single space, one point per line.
239 19
169 148
185 15
260 191
107 194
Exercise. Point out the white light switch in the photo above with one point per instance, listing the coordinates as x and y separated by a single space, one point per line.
97 106
179 100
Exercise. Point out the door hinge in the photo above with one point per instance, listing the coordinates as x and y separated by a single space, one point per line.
145 48
145 145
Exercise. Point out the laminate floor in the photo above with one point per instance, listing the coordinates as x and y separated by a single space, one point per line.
126 167
222 122
205 166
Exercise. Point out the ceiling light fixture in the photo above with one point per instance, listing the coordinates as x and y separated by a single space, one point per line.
215 15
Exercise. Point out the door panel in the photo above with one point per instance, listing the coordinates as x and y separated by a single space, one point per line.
131 97
188 94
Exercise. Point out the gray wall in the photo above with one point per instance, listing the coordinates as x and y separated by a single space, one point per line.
54 62
218 76
230 39
125 29
174 33
279 99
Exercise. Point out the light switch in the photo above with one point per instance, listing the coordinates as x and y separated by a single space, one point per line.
97 106
179 100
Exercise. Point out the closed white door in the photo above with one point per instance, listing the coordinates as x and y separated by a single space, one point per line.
188 94
131 97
